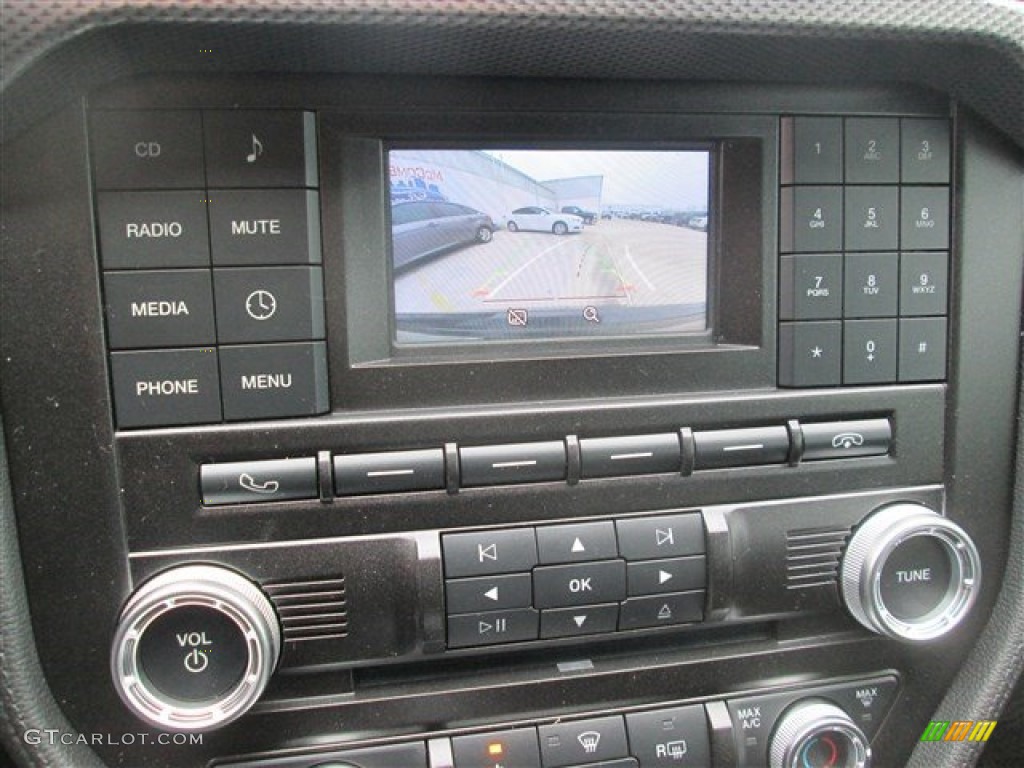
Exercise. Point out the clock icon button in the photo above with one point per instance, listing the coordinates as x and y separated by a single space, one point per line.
261 304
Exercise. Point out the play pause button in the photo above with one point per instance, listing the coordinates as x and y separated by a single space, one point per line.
492 628
584 620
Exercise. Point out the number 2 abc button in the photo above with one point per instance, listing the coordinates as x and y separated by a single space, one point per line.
487 552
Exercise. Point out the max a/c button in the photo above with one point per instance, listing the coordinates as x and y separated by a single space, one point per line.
258 481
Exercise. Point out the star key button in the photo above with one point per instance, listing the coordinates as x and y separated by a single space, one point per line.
810 353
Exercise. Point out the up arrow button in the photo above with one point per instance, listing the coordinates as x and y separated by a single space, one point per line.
576 543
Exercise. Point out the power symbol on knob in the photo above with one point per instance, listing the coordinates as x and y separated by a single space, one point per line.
196 661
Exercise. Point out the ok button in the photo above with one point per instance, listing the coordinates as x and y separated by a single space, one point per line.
560 586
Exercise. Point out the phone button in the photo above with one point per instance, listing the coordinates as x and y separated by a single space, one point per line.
258 481
846 439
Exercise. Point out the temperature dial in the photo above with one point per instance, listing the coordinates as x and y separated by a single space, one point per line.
817 734
910 573
194 648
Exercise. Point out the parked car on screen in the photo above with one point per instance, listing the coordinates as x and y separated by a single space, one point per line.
422 229
589 217
539 219
699 222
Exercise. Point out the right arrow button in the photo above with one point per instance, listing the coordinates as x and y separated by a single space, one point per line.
677 574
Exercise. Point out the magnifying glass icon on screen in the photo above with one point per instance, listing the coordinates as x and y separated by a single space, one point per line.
590 315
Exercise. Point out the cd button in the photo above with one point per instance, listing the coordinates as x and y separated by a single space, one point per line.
266 381
167 308
516 463
741 447
253 148
488 593
574 622
492 628
149 230
582 741
555 586
140 150
653 577
258 481
576 542
649 538
662 610
389 472
846 439
489 552
264 226
676 738
631 455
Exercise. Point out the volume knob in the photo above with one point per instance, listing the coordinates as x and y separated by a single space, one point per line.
910 573
195 648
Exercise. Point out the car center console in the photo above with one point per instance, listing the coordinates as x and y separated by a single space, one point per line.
453 433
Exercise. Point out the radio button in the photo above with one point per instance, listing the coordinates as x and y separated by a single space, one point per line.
577 542
266 381
168 308
252 148
389 472
812 150
498 749
650 538
924 151
150 230
168 387
811 219
869 351
670 738
493 627
923 279
632 455
269 304
264 226
872 219
872 150
810 354
870 287
573 622
723 448
810 287
654 577
924 218
582 741
489 552
147 150
488 593
258 481
662 610
846 439
557 586
516 463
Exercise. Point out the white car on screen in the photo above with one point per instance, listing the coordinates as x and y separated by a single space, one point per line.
536 219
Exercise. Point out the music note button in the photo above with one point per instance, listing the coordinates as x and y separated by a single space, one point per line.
247 149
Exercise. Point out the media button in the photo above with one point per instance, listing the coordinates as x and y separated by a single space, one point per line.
576 542
250 482
267 381
557 586
147 150
575 622
650 538
172 308
167 387
489 552
582 741
255 148
264 226
151 230
492 628
662 610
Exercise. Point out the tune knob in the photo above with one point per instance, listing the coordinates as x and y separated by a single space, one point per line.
910 573
194 648
817 734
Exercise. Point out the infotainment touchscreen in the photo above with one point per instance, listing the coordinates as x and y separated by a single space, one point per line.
497 244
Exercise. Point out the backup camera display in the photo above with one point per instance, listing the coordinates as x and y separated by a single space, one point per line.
537 244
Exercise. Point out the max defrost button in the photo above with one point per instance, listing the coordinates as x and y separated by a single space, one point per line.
517 463
254 148
147 230
172 308
274 380
140 150
256 481
389 472
166 387
264 226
